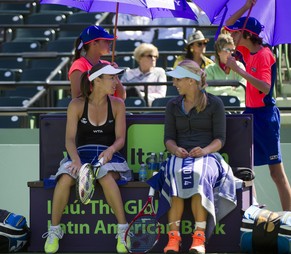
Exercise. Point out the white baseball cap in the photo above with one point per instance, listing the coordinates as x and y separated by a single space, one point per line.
108 69
180 72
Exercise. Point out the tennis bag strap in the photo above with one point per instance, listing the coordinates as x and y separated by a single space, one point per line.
265 232
14 232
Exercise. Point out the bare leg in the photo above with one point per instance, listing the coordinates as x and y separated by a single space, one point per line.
175 213
113 196
61 197
278 175
199 212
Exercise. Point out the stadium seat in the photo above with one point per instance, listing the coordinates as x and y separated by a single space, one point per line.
46 18
11 18
15 63
90 18
13 101
9 75
61 45
172 91
13 122
126 61
170 44
134 102
56 8
63 102
20 46
161 102
229 100
20 7
34 34
127 45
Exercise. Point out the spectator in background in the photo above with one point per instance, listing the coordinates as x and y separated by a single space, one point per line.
90 46
224 47
195 50
146 56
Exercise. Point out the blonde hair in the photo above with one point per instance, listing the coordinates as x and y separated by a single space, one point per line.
143 49
193 67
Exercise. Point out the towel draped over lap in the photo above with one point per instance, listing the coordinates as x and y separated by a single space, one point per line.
210 176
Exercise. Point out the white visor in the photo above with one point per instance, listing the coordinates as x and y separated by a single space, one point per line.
108 69
180 72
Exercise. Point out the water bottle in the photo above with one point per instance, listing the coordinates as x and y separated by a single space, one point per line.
152 164
161 160
142 176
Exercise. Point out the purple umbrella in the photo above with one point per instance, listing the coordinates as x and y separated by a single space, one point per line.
273 14
147 8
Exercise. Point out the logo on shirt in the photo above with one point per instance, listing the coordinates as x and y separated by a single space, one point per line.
84 120
110 121
254 69
97 131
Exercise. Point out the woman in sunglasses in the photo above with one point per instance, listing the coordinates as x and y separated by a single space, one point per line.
224 47
195 50
146 56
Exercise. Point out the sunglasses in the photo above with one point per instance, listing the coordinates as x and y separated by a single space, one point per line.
228 50
150 56
200 44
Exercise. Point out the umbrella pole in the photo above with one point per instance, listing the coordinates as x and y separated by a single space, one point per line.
115 29
227 69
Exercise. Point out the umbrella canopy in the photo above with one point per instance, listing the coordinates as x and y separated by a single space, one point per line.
147 8
273 14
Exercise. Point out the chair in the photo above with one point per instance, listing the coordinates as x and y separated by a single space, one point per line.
20 7
46 18
13 122
63 102
170 44
33 75
20 46
11 18
61 45
13 101
9 75
127 45
57 8
172 91
134 102
44 63
90 18
34 34
161 102
229 100
166 61
125 61
14 63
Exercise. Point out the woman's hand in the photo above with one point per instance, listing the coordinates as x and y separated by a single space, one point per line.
197 152
107 155
74 167
181 152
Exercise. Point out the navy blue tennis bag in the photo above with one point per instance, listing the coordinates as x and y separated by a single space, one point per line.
14 232
263 231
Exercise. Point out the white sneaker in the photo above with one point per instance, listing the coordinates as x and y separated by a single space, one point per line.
120 246
52 239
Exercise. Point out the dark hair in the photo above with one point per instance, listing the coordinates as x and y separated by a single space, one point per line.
189 53
85 83
253 38
77 52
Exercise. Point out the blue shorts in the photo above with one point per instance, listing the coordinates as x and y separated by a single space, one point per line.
266 126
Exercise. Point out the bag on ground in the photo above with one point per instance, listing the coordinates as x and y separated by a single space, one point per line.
264 231
14 232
